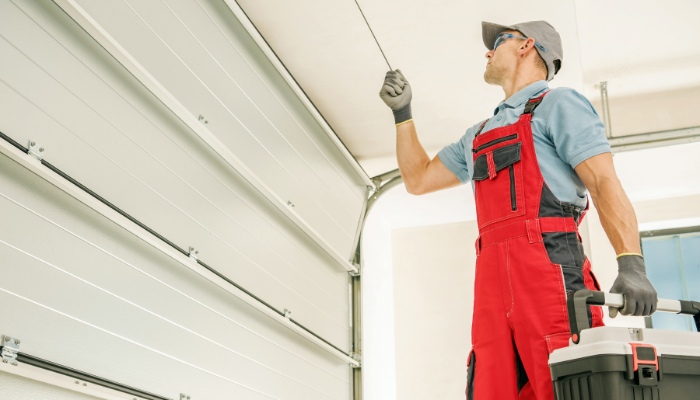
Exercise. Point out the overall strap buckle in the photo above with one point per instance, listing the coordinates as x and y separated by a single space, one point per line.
533 103
536 227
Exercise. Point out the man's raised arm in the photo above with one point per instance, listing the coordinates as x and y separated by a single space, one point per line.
420 173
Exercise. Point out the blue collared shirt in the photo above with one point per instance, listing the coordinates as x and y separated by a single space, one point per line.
566 130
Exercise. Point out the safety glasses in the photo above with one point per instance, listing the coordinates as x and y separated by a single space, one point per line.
500 39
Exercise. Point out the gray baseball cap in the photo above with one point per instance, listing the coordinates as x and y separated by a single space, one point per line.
544 34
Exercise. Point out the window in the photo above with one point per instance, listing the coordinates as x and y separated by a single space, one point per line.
672 260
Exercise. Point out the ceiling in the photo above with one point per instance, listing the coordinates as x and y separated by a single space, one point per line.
642 48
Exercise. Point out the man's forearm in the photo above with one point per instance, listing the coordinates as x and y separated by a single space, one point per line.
617 215
614 207
411 156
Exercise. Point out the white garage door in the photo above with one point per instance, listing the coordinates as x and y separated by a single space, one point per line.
223 272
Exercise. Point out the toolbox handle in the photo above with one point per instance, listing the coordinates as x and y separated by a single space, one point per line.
578 302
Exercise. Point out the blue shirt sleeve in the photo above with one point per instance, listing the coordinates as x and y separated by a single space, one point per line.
454 155
574 128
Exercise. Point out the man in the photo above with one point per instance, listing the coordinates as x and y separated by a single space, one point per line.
530 165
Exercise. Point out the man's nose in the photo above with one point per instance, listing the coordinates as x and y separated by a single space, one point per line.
489 54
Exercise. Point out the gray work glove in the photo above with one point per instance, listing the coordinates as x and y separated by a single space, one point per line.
396 93
632 282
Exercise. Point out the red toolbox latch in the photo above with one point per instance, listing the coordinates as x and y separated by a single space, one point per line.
645 364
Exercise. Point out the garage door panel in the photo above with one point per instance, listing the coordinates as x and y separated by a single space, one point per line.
66 295
156 372
226 85
19 387
235 204
122 279
115 260
233 117
97 100
312 305
149 191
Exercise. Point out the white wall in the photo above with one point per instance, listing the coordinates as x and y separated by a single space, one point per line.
395 209
433 297
378 339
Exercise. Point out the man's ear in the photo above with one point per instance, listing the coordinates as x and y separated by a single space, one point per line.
527 44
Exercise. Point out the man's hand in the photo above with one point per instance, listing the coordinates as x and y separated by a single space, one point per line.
632 282
396 93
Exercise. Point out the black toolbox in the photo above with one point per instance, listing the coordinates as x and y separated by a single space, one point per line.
617 363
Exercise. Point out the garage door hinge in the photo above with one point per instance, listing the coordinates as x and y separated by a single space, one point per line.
193 253
357 272
10 348
356 357
36 150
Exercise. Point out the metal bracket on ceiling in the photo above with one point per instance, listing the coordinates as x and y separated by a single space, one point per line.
10 348
606 108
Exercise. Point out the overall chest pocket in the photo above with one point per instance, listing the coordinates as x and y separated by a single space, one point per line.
498 184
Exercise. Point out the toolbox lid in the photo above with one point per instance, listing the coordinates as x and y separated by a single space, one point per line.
617 341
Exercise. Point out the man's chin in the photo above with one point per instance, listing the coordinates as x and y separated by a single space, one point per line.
491 80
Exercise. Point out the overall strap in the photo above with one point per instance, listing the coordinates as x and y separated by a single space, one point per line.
529 108
533 103
481 128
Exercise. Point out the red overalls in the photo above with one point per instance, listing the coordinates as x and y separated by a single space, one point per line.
529 254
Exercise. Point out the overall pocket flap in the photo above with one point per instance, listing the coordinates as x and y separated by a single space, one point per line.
502 158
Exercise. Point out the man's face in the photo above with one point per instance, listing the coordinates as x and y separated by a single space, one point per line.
501 60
